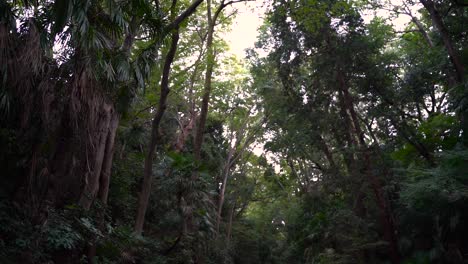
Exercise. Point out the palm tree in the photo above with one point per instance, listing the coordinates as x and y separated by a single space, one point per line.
67 70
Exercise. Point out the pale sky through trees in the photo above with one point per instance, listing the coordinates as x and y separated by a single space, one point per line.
244 33
244 30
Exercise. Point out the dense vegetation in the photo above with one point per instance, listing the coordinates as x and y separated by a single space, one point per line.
129 133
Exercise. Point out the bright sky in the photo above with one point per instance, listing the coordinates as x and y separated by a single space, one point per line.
244 29
250 17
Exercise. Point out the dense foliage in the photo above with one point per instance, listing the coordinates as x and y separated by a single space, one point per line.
130 134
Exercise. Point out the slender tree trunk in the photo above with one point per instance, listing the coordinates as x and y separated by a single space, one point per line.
229 229
210 63
226 172
230 161
326 150
200 128
350 159
438 23
144 194
454 57
422 31
385 215
186 129
419 25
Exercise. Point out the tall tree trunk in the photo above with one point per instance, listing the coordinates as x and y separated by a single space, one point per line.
226 172
210 63
438 23
103 193
104 179
454 57
104 132
456 61
385 215
145 191
185 129
229 229
144 194
200 128
234 144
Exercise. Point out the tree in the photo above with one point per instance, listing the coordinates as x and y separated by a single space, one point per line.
342 142
80 86
146 185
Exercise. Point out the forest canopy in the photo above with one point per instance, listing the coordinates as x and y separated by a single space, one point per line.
130 133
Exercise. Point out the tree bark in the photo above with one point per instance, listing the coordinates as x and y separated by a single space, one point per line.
438 23
234 144
107 166
93 177
210 57
200 128
454 57
422 31
386 219
229 229
184 15
226 172
144 194
418 25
